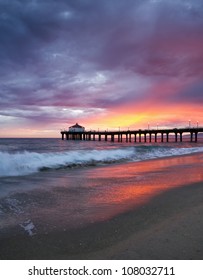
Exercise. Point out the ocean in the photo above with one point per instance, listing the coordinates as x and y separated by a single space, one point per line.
49 184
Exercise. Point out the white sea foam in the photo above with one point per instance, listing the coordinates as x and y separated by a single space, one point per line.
14 205
24 163
29 227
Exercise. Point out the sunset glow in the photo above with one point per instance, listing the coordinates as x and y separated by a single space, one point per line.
104 64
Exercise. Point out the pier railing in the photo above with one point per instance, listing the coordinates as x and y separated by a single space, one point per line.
147 135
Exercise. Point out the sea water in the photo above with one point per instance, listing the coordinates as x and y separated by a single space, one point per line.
19 157
50 183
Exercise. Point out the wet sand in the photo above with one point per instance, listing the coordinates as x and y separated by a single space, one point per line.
167 225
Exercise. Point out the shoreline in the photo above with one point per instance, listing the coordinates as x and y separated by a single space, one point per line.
170 226
167 226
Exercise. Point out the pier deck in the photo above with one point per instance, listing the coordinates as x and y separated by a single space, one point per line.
147 135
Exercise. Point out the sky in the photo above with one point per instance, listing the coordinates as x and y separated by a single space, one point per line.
106 64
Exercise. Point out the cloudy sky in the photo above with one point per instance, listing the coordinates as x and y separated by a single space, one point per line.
103 64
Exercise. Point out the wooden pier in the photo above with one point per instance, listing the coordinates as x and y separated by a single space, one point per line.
147 135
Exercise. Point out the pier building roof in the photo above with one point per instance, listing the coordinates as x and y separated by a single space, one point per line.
76 126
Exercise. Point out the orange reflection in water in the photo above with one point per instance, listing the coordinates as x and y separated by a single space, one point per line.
97 194
130 185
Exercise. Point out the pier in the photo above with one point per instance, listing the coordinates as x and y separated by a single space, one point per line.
147 135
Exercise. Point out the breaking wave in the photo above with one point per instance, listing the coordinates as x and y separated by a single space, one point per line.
24 163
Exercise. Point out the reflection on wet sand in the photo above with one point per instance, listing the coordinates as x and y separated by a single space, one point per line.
71 199
122 187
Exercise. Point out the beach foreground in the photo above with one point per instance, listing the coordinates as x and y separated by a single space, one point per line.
166 224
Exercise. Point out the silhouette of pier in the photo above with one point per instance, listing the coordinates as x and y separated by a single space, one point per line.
147 135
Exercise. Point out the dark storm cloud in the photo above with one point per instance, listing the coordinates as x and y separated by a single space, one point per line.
81 53
23 28
193 94
163 38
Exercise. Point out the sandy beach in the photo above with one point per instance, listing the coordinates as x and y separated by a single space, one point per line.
164 224
169 227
